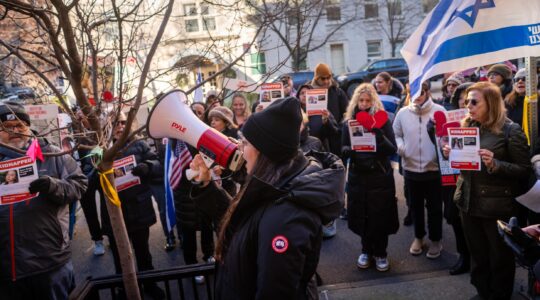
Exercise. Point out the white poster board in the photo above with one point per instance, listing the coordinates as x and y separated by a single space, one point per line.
270 92
123 176
15 177
316 101
464 144
361 139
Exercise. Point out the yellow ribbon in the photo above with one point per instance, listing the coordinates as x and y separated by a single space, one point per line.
108 188
526 126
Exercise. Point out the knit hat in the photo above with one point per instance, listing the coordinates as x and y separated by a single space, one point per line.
502 70
12 111
275 130
223 113
457 78
322 70
521 73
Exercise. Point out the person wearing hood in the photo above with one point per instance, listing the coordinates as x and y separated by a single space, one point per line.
270 239
337 105
421 170
35 252
458 97
308 142
448 88
501 76
371 192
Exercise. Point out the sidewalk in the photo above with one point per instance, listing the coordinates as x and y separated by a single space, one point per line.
432 285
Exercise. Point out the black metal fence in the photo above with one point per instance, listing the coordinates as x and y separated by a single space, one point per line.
177 283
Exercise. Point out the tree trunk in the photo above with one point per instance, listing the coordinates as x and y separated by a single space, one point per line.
127 263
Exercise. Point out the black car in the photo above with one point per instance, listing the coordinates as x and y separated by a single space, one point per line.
298 78
396 67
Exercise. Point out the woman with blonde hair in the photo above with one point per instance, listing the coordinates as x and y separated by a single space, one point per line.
240 108
371 193
486 196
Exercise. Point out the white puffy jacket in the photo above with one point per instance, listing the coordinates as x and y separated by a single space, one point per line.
414 146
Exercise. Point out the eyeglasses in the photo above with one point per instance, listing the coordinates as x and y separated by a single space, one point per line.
452 84
519 79
121 122
19 127
473 102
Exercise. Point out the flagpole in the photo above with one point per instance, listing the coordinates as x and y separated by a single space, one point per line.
532 96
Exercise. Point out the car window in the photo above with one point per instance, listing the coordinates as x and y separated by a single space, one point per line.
379 65
395 63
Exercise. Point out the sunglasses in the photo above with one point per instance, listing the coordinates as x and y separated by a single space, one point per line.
452 84
519 79
326 78
473 102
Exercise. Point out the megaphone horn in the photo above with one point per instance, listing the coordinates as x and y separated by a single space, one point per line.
172 118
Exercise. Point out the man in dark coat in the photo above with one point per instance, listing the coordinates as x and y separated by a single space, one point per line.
35 255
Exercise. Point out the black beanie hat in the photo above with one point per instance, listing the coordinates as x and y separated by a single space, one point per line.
275 131
12 111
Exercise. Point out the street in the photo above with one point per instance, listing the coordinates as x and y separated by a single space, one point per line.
337 267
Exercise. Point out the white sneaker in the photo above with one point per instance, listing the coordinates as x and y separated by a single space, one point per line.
199 279
435 249
382 264
329 230
363 261
99 248
416 247
211 260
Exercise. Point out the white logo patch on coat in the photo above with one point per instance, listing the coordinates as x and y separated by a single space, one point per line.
280 244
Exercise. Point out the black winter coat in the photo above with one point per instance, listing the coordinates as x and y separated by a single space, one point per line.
371 193
137 206
274 235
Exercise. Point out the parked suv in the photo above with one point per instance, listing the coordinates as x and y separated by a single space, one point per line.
396 67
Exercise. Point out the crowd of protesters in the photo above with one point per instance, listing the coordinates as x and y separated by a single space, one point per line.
301 171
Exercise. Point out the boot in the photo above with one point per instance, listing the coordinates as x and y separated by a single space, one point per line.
462 265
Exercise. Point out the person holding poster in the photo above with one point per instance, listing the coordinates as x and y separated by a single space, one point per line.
371 193
137 206
421 171
486 196
336 105
39 267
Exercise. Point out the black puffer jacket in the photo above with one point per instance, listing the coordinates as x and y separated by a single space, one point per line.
136 201
372 202
40 224
275 234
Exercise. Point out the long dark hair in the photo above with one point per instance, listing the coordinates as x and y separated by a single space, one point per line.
265 170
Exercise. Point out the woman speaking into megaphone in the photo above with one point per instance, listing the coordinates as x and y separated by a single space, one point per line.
270 238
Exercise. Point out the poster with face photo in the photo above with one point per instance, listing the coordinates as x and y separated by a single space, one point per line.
316 101
270 92
361 139
15 178
123 177
464 144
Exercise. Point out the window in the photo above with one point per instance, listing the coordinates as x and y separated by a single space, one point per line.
190 9
199 16
371 10
302 64
258 63
209 24
333 10
213 82
374 50
394 7
192 25
338 58
428 5
378 65
292 16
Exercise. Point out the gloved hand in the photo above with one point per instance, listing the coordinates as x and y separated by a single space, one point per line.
141 170
41 185
346 152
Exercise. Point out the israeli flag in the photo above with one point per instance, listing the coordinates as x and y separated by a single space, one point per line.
458 35
198 93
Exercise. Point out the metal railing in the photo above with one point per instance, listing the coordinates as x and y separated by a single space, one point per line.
177 283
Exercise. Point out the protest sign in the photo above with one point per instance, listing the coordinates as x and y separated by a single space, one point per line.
316 101
123 177
15 177
361 139
464 143
270 92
